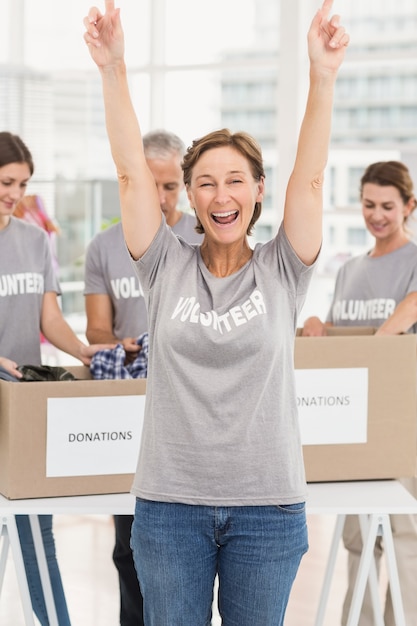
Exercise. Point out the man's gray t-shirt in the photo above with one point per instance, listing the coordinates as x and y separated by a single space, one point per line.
368 289
26 273
109 270
221 424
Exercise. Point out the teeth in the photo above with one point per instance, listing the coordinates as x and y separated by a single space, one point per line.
224 214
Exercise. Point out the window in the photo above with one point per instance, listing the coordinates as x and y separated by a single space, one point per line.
356 236
193 68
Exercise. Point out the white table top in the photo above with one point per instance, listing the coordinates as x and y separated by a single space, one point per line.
377 496
114 504
357 497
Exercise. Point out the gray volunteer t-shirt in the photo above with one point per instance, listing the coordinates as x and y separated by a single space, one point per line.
26 273
221 425
368 289
109 270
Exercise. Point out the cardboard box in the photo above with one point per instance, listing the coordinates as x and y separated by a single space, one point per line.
356 395
69 438
357 403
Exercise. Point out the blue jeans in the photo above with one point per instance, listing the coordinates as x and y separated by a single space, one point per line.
32 570
255 551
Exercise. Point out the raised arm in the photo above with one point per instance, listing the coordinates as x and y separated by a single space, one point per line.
140 209
327 42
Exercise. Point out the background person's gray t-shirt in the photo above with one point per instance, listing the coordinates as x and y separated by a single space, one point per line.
368 289
109 270
221 424
26 273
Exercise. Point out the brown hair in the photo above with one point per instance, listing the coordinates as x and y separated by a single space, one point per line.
13 150
390 174
243 143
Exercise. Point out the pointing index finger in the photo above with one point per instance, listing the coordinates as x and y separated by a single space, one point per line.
326 7
109 5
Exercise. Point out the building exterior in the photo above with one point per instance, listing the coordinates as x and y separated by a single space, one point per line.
60 115
375 118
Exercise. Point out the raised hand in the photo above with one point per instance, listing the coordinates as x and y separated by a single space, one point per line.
327 40
104 35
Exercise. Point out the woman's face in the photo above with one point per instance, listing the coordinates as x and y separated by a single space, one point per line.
384 211
14 178
223 193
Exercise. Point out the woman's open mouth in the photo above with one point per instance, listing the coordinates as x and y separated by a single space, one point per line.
225 217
